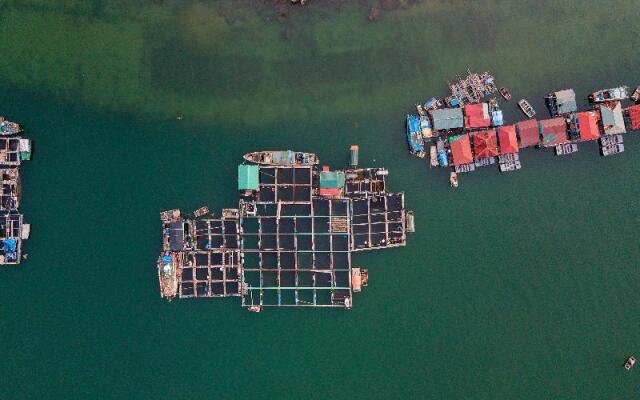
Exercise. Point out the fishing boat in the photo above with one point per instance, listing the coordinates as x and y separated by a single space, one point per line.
433 156
631 361
414 137
636 95
282 158
505 93
614 94
526 108
453 179
201 211
8 128
255 308
167 275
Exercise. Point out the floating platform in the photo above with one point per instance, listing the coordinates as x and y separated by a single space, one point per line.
13 231
291 240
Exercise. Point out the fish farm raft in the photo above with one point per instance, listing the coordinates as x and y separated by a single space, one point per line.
290 241
463 133
13 230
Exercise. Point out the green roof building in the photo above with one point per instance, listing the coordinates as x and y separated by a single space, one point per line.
248 177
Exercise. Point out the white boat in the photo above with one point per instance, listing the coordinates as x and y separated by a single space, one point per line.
453 179
526 108
631 361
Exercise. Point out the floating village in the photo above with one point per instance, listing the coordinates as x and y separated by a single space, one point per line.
13 151
291 240
464 133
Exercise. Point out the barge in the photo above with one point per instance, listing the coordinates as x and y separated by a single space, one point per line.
290 241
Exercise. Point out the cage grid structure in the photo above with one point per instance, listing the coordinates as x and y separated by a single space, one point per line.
289 243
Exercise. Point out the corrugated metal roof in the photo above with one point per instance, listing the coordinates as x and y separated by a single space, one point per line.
248 177
461 149
634 116
331 179
485 144
447 118
554 131
528 132
508 139
612 119
588 125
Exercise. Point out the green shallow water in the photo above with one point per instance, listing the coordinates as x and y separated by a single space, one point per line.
514 286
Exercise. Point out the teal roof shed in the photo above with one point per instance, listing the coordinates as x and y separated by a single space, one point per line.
331 179
248 177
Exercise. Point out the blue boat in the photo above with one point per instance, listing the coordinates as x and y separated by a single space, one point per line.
414 136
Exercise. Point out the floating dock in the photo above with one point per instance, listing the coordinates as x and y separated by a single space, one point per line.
13 230
291 240
470 134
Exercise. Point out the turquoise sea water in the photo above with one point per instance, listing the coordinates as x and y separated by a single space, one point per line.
518 285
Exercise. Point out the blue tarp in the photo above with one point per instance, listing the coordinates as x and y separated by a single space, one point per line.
9 245
430 103
442 158
413 123
167 259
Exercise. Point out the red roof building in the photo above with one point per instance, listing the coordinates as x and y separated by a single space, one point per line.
528 132
485 144
477 116
461 149
588 125
554 132
508 139
634 116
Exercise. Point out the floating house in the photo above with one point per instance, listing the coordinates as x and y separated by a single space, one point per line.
461 149
485 144
553 131
528 132
508 139
331 183
290 242
248 178
561 102
587 124
633 114
477 116
447 118
612 119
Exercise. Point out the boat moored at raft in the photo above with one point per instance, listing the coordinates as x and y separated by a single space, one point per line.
168 275
613 94
8 128
414 136
282 158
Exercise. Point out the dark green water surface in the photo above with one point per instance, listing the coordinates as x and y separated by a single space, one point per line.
515 286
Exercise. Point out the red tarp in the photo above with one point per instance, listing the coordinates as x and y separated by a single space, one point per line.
554 132
485 144
529 134
508 139
634 116
588 124
474 116
461 150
